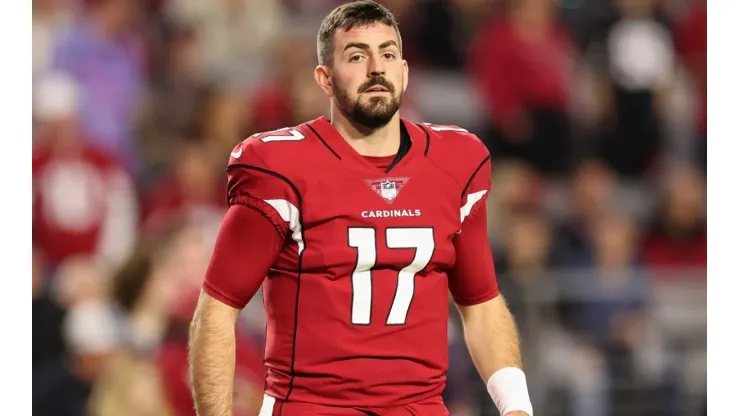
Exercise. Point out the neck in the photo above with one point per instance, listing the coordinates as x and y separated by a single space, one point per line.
383 141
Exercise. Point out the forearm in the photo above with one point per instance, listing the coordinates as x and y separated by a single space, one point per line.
492 337
493 340
212 358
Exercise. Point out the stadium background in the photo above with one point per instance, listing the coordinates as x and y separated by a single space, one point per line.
595 113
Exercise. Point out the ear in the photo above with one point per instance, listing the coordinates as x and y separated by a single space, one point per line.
405 75
322 75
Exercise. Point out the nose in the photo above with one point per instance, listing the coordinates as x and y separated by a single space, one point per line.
377 67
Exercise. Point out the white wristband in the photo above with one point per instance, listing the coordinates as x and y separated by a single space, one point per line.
508 389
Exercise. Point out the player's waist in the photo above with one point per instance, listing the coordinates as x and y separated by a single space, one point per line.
370 393
433 405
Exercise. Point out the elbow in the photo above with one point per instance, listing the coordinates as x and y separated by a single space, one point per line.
484 311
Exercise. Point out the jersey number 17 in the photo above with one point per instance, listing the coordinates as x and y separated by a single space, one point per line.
363 239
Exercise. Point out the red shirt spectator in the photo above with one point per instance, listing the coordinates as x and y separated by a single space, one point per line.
193 193
691 43
518 65
666 251
172 361
271 107
679 238
83 203
249 378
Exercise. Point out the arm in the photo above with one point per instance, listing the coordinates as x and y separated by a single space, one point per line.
490 331
246 247
212 356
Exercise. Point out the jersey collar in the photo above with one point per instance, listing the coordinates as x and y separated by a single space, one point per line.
334 141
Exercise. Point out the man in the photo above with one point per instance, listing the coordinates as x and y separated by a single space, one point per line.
361 225
103 50
84 201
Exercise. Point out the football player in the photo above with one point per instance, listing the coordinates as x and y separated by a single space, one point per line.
357 227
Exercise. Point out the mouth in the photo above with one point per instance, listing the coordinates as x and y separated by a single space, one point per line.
377 88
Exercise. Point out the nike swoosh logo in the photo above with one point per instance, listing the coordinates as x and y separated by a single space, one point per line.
236 154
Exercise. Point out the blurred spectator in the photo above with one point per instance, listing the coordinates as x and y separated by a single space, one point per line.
525 259
49 17
608 312
177 100
516 187
436 32
46 319
130 386
440 47
134 289
293 59
193 191
79 280
104 54
181 89
636 70
591 195
226 120
83 201
678 237
94 333
604 303
162 271
173 365
309 101
615 292
691 43
313 8
522 64
232 35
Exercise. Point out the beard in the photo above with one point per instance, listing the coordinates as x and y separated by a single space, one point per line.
377 111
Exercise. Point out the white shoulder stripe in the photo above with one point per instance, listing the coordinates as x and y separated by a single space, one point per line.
268 405
290 214
469 202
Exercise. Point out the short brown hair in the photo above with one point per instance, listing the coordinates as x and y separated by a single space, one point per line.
347 16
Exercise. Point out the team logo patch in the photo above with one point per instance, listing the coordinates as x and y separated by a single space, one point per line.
387 188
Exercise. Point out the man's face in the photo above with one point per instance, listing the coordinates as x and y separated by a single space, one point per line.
368 75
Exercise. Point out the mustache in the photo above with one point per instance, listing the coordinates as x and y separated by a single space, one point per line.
372 82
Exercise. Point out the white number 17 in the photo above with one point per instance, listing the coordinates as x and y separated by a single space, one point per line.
363 239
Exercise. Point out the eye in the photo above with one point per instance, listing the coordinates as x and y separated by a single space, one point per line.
355 58
389 55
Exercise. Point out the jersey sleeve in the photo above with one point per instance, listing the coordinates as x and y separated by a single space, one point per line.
253 183
473 279
246 247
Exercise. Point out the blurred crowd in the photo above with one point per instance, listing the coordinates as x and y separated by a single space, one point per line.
595 114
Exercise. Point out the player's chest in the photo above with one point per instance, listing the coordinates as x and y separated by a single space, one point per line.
392 220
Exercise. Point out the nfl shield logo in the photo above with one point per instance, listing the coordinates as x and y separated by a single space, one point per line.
388 190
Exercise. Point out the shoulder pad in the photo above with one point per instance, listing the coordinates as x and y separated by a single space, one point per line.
451 138
255 149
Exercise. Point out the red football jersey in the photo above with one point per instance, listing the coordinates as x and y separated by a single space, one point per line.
357 300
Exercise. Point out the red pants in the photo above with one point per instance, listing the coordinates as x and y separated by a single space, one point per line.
276 407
